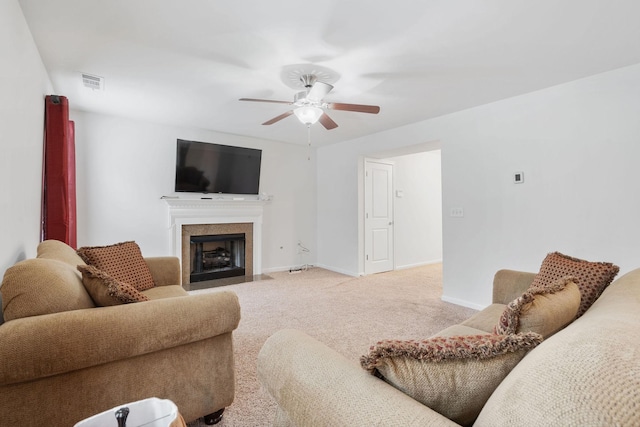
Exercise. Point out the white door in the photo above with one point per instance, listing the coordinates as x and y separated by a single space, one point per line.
378 221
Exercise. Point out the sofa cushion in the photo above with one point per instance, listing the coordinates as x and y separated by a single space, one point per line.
105 290
451 375
122 261
458 330
55 249
591 277
542 309
486 319
42 286
169 291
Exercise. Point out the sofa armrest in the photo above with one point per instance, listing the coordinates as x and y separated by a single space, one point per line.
51 344
510 284
315 386
165 270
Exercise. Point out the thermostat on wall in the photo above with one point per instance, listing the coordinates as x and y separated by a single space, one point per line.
518 177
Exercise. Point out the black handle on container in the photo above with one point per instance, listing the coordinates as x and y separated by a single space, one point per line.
121 416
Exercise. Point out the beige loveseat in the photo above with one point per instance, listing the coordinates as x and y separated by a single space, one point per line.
587 374
62 359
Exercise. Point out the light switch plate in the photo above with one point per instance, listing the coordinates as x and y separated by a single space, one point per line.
456 212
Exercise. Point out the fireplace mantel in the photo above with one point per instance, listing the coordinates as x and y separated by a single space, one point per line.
216 211
178 207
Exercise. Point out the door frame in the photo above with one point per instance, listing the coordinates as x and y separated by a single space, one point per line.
378 156
362 210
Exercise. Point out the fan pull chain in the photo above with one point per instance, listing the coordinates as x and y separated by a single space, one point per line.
309 140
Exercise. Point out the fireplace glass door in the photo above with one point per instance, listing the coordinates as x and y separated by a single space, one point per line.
217 256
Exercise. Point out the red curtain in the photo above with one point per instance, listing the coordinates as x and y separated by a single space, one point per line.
59 173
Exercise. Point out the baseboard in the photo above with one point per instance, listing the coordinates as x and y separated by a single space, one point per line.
349 273
274 270
463 303
337 270
280 269
419 264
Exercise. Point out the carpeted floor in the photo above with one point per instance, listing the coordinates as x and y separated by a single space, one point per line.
348 314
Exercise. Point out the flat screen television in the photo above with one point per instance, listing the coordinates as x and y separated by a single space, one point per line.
203 167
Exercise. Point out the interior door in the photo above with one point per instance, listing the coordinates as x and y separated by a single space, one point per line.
378 221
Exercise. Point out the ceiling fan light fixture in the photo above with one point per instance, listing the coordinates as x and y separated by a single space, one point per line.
308 115
309 105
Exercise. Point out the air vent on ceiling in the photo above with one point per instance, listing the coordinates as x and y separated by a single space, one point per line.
93 82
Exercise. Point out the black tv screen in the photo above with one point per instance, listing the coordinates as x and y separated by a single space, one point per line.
213 168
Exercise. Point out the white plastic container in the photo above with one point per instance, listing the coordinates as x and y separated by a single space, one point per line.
152 412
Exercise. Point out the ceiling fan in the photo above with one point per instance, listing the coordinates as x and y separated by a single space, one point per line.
309 104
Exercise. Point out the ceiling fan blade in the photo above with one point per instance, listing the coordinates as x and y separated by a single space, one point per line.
280 117
318 91
371 109
265 100
327 122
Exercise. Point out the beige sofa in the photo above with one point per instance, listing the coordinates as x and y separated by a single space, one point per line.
62 359
587 374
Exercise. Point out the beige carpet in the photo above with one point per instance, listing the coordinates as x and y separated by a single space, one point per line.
348 314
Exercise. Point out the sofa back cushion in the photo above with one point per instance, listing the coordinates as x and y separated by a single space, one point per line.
42 286
55 249
585 375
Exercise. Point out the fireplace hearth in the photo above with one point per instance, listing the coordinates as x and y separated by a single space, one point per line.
217 256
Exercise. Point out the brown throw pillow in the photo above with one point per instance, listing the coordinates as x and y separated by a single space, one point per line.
122 261
541 309
105 290
451 375
591 277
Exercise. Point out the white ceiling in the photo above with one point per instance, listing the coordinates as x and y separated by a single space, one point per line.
187 62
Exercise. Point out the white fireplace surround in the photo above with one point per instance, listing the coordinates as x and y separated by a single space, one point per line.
216 211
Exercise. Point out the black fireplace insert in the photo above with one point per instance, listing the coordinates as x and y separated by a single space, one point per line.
217 256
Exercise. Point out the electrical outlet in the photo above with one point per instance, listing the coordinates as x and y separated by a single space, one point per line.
456 212
518 177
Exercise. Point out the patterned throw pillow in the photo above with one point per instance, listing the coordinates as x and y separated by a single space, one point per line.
541 309
105 290
122 261
591 277
451 375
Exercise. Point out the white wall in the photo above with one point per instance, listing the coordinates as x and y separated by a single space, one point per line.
125 166
418 213
338 207
23 84
577 144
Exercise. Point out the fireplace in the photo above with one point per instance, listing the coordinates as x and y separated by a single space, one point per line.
217 216
216 251
217 256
